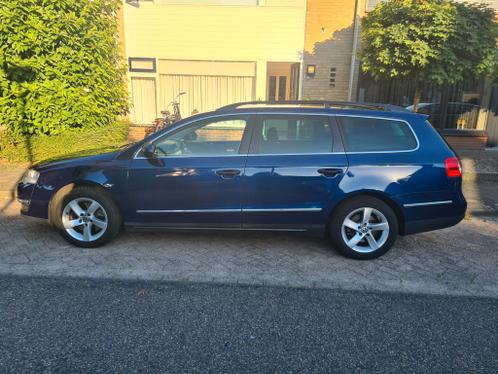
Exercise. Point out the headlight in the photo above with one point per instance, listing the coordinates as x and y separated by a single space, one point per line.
30 177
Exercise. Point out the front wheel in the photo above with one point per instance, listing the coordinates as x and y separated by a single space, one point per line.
363 228
87 217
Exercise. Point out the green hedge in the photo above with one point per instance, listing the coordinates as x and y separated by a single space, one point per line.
60 66
71 143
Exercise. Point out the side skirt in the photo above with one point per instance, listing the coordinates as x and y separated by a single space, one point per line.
139 226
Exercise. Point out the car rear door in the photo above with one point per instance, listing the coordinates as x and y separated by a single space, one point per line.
293 170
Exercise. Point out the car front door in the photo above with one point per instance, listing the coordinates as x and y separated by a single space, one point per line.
293 170
194 176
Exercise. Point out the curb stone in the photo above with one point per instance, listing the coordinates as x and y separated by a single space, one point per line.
480 177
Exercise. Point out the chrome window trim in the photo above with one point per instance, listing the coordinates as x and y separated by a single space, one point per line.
195 156
287 154
294 154
245 155
428 203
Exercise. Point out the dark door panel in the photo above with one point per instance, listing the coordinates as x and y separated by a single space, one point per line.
288 192
292 172
187 191
195 179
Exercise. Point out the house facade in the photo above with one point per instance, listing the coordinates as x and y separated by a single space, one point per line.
216 51
224 51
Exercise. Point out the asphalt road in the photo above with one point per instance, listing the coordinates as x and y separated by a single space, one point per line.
72 325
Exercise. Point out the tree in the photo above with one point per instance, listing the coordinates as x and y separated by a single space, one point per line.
60 66
429 41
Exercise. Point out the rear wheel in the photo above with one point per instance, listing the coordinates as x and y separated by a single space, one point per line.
87 217
363 228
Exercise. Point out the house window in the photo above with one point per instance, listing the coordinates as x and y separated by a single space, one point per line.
142 64
201 2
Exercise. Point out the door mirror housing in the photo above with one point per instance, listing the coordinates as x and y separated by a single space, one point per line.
149 151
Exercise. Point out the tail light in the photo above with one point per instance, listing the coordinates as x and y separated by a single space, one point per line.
453 168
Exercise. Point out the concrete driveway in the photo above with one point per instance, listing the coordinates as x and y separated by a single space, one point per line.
462 260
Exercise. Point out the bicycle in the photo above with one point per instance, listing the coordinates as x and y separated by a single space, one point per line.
167 118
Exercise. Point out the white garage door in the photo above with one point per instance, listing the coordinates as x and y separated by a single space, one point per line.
208 84
204 93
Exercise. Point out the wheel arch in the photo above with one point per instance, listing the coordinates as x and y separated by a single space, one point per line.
67 188
375 194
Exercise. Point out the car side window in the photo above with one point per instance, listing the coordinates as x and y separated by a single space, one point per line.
376 135
214 137
295 135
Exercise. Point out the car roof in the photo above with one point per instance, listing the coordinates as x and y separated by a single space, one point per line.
325 104
319 107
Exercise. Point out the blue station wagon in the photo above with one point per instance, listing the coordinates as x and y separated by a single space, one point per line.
360 174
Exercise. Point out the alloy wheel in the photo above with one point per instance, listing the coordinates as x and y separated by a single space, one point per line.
365 230
84 219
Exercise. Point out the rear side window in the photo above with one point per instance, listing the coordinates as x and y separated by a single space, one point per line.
295 135
376 135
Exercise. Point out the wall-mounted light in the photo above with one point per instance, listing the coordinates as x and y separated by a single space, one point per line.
310 71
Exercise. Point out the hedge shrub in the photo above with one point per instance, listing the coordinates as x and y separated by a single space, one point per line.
60 65
71 143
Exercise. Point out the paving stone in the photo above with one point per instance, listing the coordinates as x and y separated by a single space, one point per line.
462 260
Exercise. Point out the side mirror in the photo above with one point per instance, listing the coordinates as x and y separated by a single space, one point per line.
149 151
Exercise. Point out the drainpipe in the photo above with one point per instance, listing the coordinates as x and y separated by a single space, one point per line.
355 49
301 72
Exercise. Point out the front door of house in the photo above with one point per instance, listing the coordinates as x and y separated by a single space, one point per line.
282 81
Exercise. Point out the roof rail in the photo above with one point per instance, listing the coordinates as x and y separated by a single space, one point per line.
322 103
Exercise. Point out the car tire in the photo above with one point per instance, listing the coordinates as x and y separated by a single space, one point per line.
363 228
86 216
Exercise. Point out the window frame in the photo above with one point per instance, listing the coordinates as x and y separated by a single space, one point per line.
257 137
196 2
244 142
341 130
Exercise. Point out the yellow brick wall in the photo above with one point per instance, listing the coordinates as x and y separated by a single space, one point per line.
328 44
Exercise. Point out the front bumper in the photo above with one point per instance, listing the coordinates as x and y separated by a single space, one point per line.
24 205
30 205
24 195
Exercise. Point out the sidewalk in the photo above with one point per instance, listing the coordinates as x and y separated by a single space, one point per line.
461 260
480 165
9 176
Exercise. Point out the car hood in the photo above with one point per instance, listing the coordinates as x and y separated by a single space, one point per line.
76 161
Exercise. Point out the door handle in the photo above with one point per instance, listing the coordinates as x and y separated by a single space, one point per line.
330 172
228 173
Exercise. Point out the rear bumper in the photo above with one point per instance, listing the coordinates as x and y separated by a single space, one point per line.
446 218
431 224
